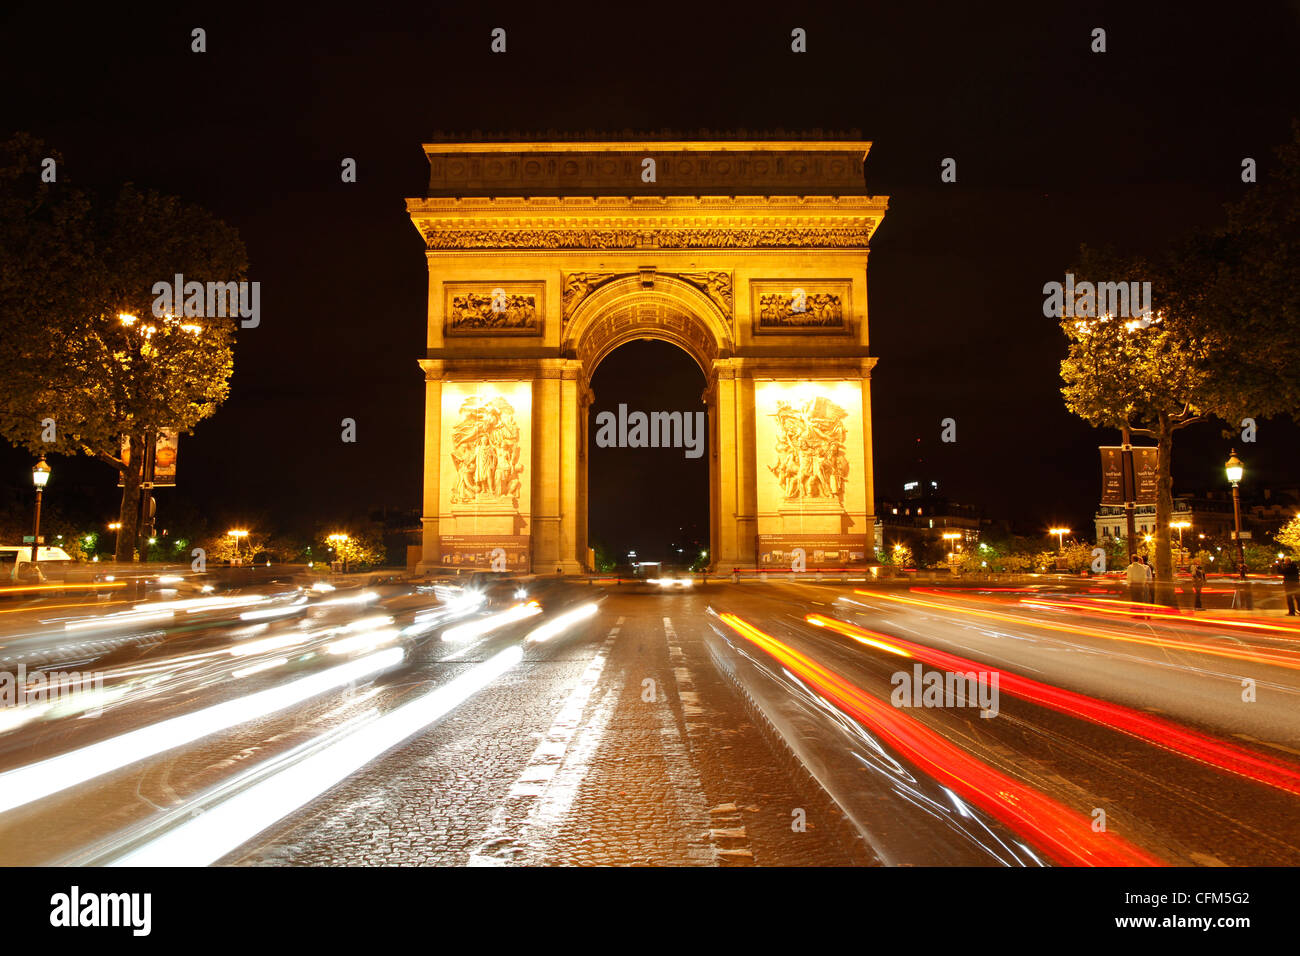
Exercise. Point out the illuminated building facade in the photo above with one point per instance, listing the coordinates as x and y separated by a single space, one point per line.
544 257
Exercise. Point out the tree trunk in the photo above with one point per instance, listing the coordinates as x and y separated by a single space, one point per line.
129 513
1166 592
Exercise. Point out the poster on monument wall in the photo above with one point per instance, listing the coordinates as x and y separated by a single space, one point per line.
485 475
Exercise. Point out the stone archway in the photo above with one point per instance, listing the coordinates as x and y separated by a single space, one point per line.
650 305
545 257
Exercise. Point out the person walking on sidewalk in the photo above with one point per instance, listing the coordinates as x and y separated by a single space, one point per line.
1151 581
1198 582
1136 577
1291 586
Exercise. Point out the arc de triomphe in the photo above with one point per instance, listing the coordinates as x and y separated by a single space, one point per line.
544 257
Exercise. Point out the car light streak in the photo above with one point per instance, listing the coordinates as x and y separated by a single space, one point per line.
119 619
1132 609
545 632
210 836
1152 730
29 588
485 625
1277 658
1063 833
24 785
259 667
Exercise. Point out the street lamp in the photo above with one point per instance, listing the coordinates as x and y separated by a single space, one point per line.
1180 525
1235 470
237 534
339 540
40 475
1060 538
951 536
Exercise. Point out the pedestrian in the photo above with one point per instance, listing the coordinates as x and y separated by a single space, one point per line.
1198 582
1291 586
1136 577
1151 581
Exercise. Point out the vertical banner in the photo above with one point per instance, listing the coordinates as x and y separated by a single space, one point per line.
1145 461
166 450
1142 483
1112 475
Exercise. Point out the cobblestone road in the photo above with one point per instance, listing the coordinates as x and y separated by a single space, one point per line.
621 745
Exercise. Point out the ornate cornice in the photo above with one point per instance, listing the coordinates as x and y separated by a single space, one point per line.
770 237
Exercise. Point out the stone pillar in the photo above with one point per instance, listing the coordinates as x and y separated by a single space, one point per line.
546 472
869 461
747 466
585 398
571 419
715 518
430 554
728 553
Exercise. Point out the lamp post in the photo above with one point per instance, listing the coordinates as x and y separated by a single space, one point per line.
40 475
1235 470
1060 538
1180 525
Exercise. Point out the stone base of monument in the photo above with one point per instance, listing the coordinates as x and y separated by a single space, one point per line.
814 516
485 516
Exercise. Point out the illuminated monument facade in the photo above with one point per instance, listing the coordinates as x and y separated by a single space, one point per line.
544 257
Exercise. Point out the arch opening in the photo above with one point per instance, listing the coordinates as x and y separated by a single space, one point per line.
649 455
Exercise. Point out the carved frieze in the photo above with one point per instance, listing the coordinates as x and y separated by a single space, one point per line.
765 238
810 459
486 308
577 286
798 306
716 284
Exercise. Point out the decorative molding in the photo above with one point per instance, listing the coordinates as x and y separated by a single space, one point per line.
578 285
849 237
800 306
717 285
493 308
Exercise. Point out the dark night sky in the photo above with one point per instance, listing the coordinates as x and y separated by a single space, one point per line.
1055 146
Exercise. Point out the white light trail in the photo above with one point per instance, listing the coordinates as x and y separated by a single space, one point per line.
202 840
24 785
485 625
553 627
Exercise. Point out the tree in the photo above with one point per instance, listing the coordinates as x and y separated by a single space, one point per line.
1146 374
83 348
360 550
224 548
1288 536
1242 294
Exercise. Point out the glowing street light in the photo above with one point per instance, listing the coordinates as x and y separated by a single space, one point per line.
237 534
40 475
1180 525
338 540
1235 469
1060 537
951 537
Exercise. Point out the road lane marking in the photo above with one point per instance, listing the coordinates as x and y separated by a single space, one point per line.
539 800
